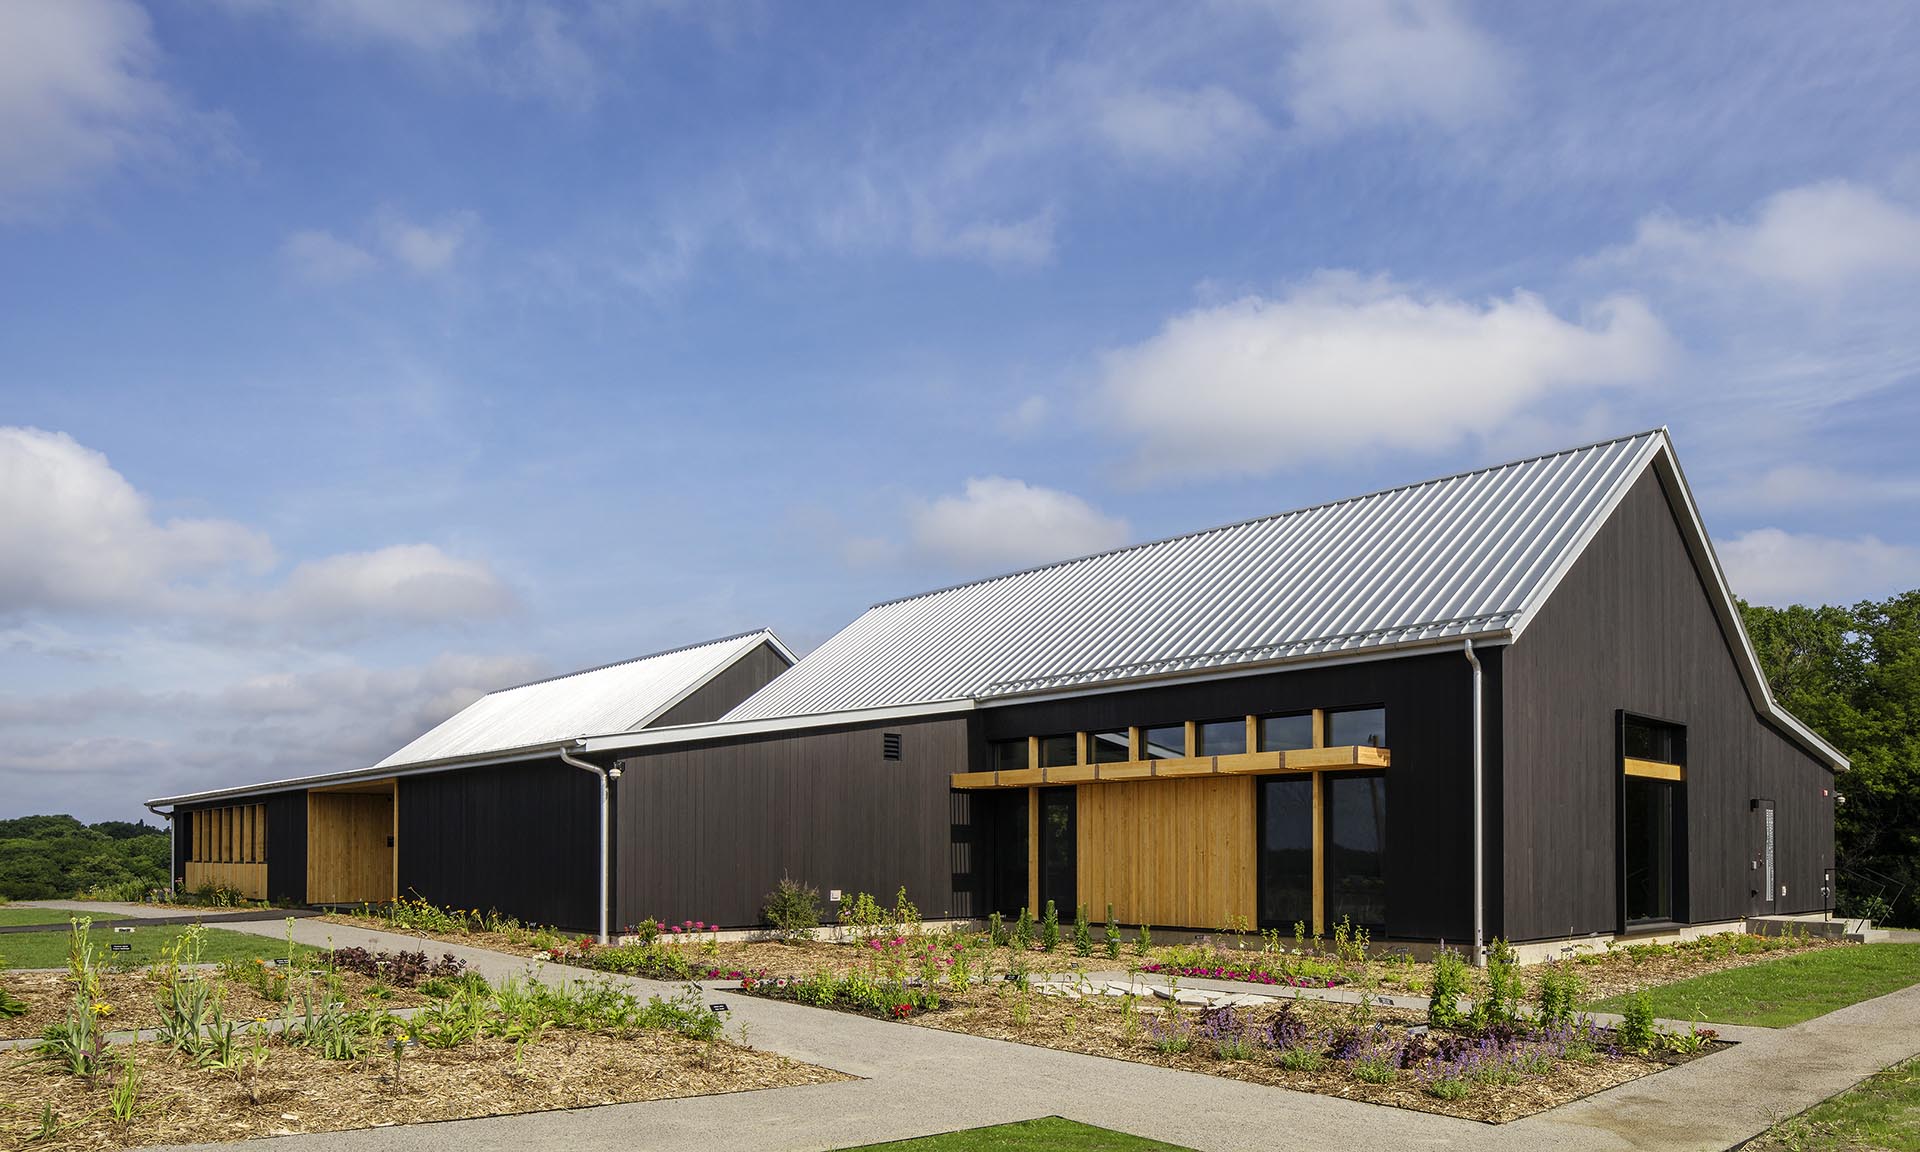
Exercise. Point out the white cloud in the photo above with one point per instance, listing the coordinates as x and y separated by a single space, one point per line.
1814 486
1821 237
75 535
425 248
265 725
320 257
997 522
77 95
1183 127
1360 63
1027 417
1258 384
1772 566
419 25
1028 241
414 582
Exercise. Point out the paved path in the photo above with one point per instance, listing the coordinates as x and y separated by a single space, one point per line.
918 1081
106 916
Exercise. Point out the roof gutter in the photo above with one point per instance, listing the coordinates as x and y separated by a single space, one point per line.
605 774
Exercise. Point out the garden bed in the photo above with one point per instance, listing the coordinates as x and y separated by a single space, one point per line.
131 999
293 1088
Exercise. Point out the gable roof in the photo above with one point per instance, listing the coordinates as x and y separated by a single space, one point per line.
1467 556
621 697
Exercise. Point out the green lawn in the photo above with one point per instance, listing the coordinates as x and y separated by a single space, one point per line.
1048 1134
1881 1112
1776 993
49 949
12 915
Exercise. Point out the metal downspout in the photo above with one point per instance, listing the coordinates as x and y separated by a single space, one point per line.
1479 833
604 774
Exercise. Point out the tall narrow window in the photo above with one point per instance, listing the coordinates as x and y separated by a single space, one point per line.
1059 854
1356 849
1221 737
1652 822
1286 852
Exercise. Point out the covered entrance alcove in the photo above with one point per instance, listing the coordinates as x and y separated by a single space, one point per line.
352 838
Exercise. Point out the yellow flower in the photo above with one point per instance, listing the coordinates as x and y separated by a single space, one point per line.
102 1008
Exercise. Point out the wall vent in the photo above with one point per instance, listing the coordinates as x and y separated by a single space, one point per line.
890 745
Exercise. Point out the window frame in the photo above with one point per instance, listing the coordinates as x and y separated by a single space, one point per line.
1679 856
1327 719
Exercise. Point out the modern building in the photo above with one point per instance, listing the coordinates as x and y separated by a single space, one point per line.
1516 702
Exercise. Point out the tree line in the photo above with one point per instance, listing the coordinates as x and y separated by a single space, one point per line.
58 857
1853 675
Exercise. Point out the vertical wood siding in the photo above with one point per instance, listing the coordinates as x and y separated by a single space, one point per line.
349 860
1171 852
1631 627
523 839
706 831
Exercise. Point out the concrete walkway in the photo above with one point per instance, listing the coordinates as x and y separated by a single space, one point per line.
105 915
919 1081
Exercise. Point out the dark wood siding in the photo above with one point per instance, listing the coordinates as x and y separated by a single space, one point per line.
520 838
1631 627
707 830
287 847
719 695
1429 791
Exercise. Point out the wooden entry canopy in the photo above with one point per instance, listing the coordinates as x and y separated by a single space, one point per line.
1360 756
353 836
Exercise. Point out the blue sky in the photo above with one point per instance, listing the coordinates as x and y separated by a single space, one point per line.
358 357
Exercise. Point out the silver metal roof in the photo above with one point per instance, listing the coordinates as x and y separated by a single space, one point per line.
1465 555
616 698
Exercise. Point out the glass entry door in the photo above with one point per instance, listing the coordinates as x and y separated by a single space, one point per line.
1356 851
1286 852
1059 854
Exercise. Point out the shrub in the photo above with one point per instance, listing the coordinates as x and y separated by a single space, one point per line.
1021 938
1449 985
1082 933
1050 928
1500 1007
1635 1031
860 912
400 969
1301 1058
793 909
1146 939
1558 995
996 930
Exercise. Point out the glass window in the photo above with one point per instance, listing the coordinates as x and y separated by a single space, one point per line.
1284 733
1649 824
1167 742
1648 740
1286 853
1010 755
1356 852
1221 737
1357 726
1108 747
1059 851
1058 751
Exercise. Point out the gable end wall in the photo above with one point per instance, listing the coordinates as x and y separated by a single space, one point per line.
1631 627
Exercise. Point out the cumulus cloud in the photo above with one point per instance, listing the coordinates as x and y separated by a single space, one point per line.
76 537
413 582
1772 566
320 257
998 522
1820 237
78 95
1360 63
1262 383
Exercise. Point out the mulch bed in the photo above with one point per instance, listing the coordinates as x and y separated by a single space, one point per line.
1096 1026
48 996
297 1091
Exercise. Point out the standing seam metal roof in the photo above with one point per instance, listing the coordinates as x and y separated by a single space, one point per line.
612 698
1463 555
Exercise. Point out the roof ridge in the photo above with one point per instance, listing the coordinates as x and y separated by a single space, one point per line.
634 660
1661 430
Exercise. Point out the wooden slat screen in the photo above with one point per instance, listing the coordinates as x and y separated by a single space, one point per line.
231 835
